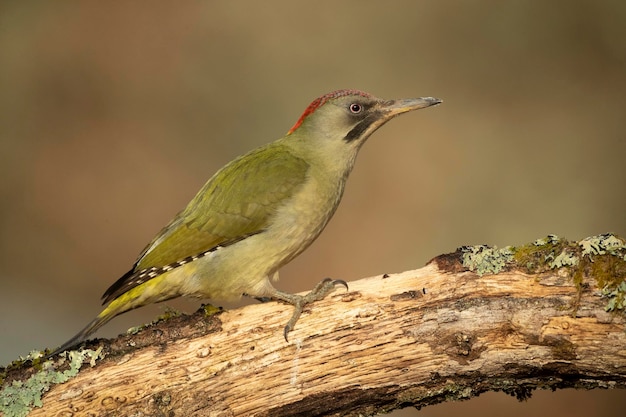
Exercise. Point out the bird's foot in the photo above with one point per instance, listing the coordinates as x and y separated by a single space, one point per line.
321 290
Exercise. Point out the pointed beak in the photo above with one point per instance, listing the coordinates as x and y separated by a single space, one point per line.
396 107
385 111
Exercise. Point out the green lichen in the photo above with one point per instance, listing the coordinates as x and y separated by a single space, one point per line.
543 254
548 240
605 260
18 398
616 296
565 258
483 259
210 309
604 244
601 257
136 329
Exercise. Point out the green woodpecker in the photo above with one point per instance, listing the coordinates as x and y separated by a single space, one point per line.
257 213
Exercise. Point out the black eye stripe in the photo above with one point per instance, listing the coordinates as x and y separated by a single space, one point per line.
361 127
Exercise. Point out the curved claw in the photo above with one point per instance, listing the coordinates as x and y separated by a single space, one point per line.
292 322
341 282
286 332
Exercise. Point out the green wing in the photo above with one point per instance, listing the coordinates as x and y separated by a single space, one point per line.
238 201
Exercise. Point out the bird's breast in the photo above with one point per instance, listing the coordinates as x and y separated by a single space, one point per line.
300 219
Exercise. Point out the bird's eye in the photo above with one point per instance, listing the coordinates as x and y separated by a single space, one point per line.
356 108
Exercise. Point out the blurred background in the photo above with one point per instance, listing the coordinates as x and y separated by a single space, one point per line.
113 115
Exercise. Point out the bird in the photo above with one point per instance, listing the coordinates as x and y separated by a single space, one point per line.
256 214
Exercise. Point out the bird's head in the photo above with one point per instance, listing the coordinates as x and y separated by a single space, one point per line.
351 116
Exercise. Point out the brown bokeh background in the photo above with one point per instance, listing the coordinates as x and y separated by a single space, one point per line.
113 114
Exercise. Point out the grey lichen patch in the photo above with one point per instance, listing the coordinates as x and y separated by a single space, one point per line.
601 257
602 245
544 254
605 259
616 296
548 240
484 260
19 397
565 258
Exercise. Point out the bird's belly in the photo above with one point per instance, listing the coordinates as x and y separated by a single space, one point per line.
242 268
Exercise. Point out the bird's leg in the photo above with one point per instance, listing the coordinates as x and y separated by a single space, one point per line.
321 290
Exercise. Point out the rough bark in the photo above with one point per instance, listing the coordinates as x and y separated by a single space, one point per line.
416 338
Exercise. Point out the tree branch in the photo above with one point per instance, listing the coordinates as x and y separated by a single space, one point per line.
438 333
